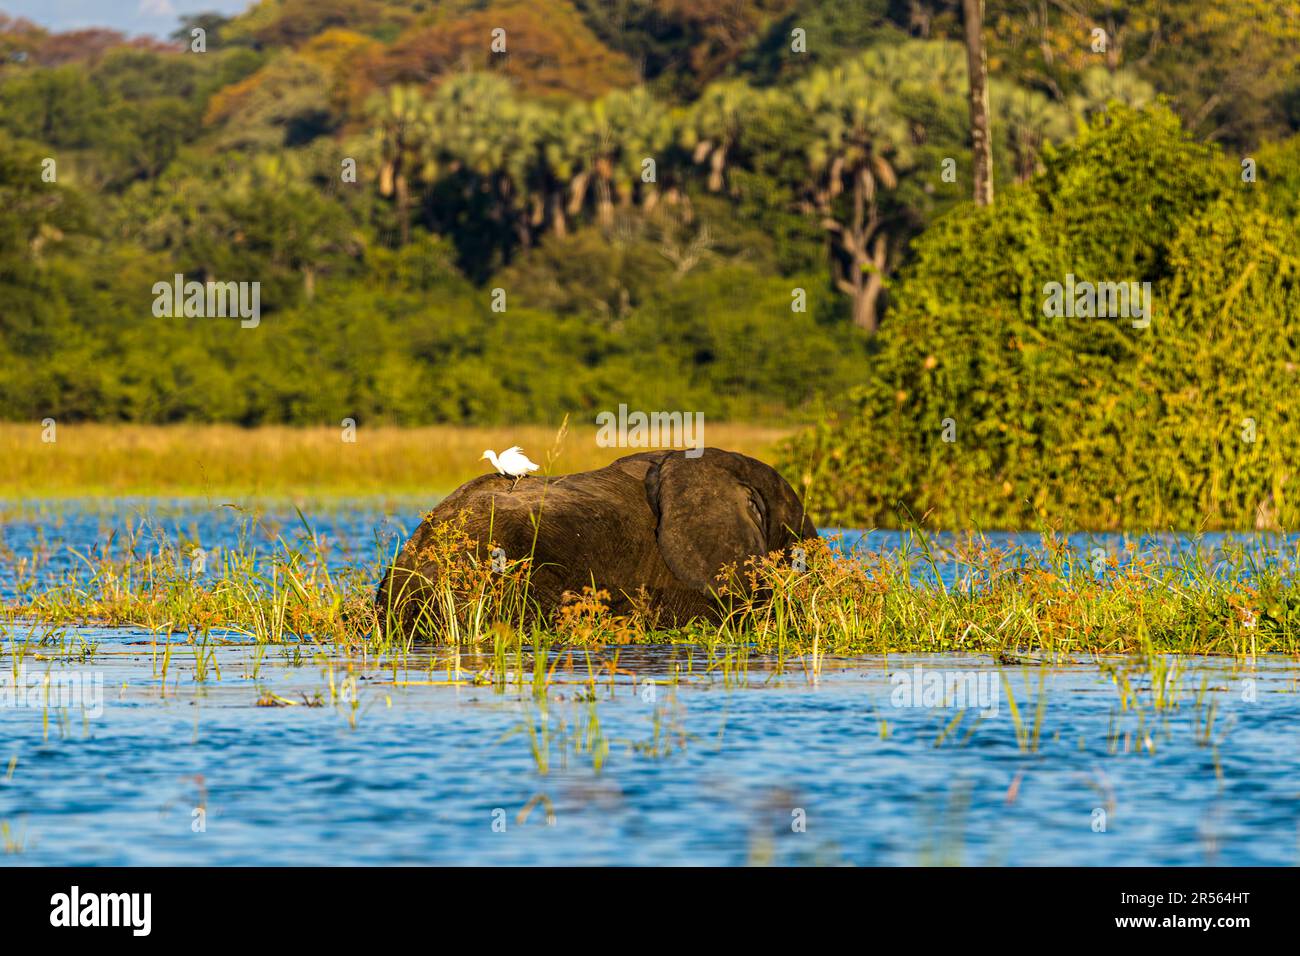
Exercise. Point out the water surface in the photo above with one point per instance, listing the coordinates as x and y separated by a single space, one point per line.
137 753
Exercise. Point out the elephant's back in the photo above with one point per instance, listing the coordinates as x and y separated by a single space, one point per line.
590 526
595 507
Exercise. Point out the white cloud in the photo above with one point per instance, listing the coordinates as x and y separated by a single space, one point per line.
157 8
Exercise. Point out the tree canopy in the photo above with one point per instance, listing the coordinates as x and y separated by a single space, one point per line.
489 210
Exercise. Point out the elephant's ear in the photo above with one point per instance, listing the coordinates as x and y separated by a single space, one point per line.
706 518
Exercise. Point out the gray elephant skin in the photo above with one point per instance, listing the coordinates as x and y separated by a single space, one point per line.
658 521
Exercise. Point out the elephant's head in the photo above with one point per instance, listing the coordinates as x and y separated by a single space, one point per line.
719 509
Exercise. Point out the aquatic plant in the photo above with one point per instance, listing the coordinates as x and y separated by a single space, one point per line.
1049 600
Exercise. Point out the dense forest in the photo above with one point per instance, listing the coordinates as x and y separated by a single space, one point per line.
491 211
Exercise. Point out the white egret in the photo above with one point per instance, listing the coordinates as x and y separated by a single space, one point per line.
512 462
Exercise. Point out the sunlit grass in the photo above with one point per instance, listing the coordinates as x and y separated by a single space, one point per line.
97 460
1048 601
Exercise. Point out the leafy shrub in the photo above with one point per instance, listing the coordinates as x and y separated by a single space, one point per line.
1088 420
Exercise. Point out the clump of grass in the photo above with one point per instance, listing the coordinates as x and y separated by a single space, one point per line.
460 595
13 841
1013 600
585 619
269 593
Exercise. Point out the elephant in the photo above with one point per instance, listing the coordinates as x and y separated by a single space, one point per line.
651 528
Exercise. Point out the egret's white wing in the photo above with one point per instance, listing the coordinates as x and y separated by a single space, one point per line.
516 463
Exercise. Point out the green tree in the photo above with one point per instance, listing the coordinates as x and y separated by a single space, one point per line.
861 141
1052 414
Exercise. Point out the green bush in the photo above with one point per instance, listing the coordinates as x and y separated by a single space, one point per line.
1089 421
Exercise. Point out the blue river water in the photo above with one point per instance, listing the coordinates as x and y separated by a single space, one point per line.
367 531
135 752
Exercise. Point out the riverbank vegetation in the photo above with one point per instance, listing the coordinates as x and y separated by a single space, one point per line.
1239 600
984 410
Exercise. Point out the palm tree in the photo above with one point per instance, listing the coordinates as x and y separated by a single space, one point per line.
483 131
1028 120
609 139
715 122
1101 86
861 141
403 127
560 165
933 66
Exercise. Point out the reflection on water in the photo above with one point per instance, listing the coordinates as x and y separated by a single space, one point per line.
115 749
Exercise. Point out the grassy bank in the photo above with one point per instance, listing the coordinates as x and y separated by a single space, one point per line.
101 460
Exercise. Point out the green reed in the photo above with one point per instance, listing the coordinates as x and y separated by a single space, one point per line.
1052 601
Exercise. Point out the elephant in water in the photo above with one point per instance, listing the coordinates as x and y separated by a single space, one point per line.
658 522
